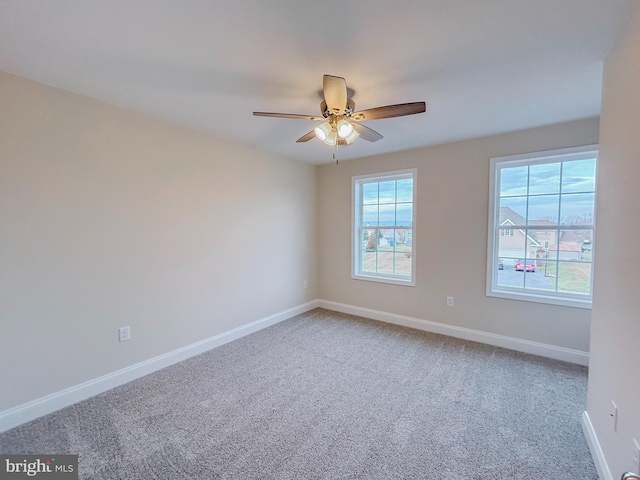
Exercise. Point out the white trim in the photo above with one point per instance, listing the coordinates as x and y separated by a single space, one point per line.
532 296
50 403
534 158
512 343
594 447
356 274
551 156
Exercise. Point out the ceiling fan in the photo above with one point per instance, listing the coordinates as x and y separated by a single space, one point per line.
340 120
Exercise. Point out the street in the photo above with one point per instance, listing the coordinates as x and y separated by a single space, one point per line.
510 278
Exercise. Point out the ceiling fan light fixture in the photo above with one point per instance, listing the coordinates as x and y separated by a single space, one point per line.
331 139
344 129
352 136
323 131
340 122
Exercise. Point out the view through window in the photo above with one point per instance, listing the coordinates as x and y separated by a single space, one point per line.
542 225
383 212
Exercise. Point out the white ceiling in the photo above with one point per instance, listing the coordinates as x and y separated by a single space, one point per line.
482 66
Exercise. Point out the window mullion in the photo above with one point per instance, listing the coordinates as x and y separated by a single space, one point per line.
384 193
525 189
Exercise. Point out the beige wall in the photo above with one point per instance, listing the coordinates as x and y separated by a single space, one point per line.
451 239
615 337
112 218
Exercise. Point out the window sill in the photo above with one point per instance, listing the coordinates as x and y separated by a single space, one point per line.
540 298
382 279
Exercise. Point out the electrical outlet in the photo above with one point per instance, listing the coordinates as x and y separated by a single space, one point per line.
636 456
304 284
449 301
124 334
613 414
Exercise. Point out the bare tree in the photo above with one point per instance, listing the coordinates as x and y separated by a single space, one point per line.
584 219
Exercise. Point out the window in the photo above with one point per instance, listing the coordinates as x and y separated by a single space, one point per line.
546 201
383 227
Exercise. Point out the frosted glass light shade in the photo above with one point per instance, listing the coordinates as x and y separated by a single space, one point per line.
331 139
344 128
352 136
323 131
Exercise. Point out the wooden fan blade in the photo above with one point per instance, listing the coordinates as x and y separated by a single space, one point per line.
288 115
390 111
335 93
307 137
366 133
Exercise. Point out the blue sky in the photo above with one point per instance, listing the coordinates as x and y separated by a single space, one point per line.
544 182
388 203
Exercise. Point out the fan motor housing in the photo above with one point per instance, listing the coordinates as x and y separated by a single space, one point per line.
348 110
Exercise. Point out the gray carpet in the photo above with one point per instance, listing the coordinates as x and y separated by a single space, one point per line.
326 395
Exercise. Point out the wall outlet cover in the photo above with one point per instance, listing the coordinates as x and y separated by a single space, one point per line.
124 334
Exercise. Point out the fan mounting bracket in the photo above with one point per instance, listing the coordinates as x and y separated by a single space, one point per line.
348 110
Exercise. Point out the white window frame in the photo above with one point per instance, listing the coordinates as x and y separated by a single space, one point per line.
356 228
536 158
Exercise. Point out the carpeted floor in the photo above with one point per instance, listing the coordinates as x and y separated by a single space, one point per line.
330 396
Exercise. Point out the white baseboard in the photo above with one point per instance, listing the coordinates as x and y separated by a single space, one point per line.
594 447
50 403
526 346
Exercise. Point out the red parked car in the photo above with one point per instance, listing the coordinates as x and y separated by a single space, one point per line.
529 266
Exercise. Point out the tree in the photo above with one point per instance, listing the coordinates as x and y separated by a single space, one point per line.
584 219
371 241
